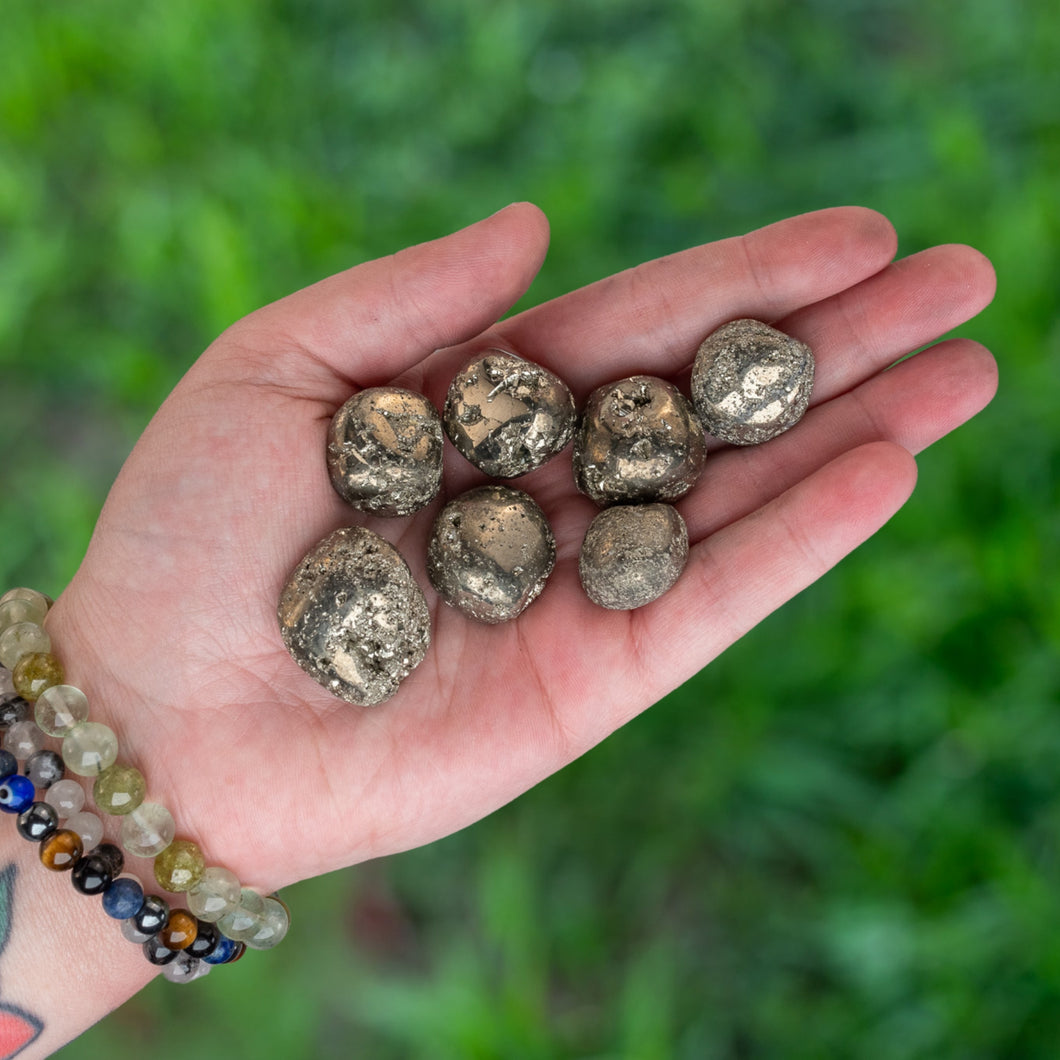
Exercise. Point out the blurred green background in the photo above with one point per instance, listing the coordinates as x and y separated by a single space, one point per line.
853 851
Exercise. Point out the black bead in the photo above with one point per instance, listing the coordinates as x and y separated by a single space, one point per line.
13 708
206 940
8 764
91 874
44 768
156 953
38 821
115 858
153 915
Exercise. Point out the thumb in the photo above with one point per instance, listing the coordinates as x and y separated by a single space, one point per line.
372 322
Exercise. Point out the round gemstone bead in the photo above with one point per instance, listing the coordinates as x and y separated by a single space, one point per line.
18 609
147 831
44 768
181 930
89 748
206 940
244 921
13 708
130 931
92 874
113 855
153 915
216 895
35 672
157 952
23 739
88 825
227 951
180 866
16 793
185 969
8 764
23 638
123 898
119 789
7 685
272 927
67 796
60 851
22 593
60 708
38 821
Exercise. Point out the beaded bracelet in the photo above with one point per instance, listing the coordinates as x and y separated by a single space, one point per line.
223 918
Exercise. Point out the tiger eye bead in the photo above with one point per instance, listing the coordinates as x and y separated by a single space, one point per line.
35 672
119 789
180 866
181 930
60 851
89 748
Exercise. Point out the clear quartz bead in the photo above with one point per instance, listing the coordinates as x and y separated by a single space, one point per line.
23 739
60 708
31 595
272 927
148 830
7 682
17 610
245 920
89 748
67 796
23 638
89 826
216 895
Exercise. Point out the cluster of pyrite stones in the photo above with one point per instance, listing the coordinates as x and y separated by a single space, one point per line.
352 614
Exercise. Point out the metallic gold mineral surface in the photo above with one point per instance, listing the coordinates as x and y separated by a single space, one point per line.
632 554
638 440
508 416
353 617
751 382
490 552
384 451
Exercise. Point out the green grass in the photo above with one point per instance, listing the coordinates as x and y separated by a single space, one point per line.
850 852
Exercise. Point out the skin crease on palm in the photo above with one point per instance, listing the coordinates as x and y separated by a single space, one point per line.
170 624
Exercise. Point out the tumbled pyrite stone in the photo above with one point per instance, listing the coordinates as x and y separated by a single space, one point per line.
384 451
353 617
490 553
751 382
638 440
507 415
632 554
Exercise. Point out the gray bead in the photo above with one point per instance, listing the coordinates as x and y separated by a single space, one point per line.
632 554
353 617
508 416
638 440
384 451
490 553
751 382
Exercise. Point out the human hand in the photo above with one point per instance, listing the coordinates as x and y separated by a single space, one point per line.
170 625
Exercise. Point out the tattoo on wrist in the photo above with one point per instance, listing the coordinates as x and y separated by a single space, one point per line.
17 1027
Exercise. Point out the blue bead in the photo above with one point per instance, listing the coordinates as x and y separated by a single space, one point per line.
8 764
123 898
16 794
223 952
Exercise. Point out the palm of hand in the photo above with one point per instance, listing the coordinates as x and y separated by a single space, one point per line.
170 625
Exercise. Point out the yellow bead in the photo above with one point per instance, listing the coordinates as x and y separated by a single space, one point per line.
180 866
119 789
35 672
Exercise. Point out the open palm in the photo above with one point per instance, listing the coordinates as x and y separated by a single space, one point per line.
170 625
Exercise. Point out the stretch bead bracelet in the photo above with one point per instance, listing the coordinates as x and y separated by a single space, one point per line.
223 918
